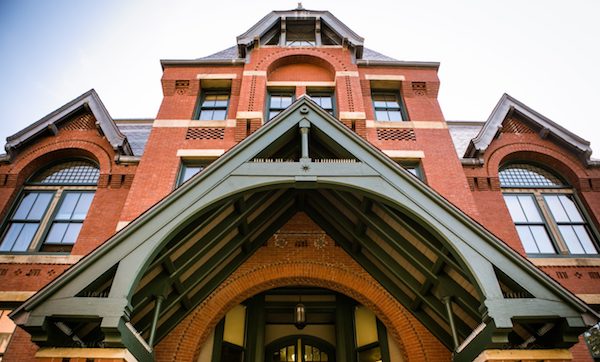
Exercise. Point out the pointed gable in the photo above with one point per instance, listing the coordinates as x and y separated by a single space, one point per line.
512 116
98 117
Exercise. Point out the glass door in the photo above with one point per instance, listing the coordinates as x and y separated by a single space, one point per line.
300 349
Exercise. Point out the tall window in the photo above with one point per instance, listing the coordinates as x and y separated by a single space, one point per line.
51 209
213 106
323 99
387 106
545 211
278 101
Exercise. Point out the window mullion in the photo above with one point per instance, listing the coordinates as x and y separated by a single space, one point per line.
555 234
46 221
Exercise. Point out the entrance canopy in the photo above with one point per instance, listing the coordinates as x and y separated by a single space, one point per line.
467 287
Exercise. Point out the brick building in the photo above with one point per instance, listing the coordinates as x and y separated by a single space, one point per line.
298 197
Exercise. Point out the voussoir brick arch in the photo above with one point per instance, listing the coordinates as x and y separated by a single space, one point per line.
318 56
564 165
184 343
29 163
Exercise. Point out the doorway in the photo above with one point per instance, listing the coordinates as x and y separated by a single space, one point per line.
299 348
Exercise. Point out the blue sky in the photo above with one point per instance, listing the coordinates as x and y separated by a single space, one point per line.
544 53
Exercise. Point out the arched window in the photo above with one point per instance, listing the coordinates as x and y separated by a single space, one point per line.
545 211
51 208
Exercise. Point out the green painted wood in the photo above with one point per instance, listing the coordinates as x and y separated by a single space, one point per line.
137 245
255 329
383 342
344 329
386 263
218 341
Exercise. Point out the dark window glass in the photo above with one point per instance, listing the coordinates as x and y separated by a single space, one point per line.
25 221
560 224
189 170
68 173
524 175
530 224
68 220
325 100
69 183
278 102
571 224
213 107
387 106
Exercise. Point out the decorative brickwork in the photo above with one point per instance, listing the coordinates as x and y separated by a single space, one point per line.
419 88
297 255
515 126
199 133
396 134
82 122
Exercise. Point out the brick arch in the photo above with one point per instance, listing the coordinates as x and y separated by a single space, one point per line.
567 167
321 54
33 160
184 343
321 65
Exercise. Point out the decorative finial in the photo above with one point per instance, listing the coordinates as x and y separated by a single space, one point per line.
300 6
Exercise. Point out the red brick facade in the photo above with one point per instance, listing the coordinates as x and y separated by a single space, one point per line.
126 190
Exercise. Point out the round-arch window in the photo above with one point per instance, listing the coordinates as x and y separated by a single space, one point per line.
546 213
79 172
51 209
525 175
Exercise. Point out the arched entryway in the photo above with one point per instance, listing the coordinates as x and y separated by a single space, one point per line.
300 348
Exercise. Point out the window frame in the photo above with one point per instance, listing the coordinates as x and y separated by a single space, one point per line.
324 93
190 163
209 92
276 93
539 193
401 106
57 190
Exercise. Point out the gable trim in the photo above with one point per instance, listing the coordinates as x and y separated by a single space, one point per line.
88 101
504 107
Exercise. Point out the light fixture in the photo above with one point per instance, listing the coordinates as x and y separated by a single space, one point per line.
300 315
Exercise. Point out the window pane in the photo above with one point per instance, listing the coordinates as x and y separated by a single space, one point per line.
72 233
381 115
556 208
514 207
527 239
83 206
219 114
394 115
542 239
585 239
11 236
525 175
56 233
209 101
189 171
25 206
39 206
571 209
529 208
573 241
69 173
286 101
25 237
206 115
67 206
273 114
